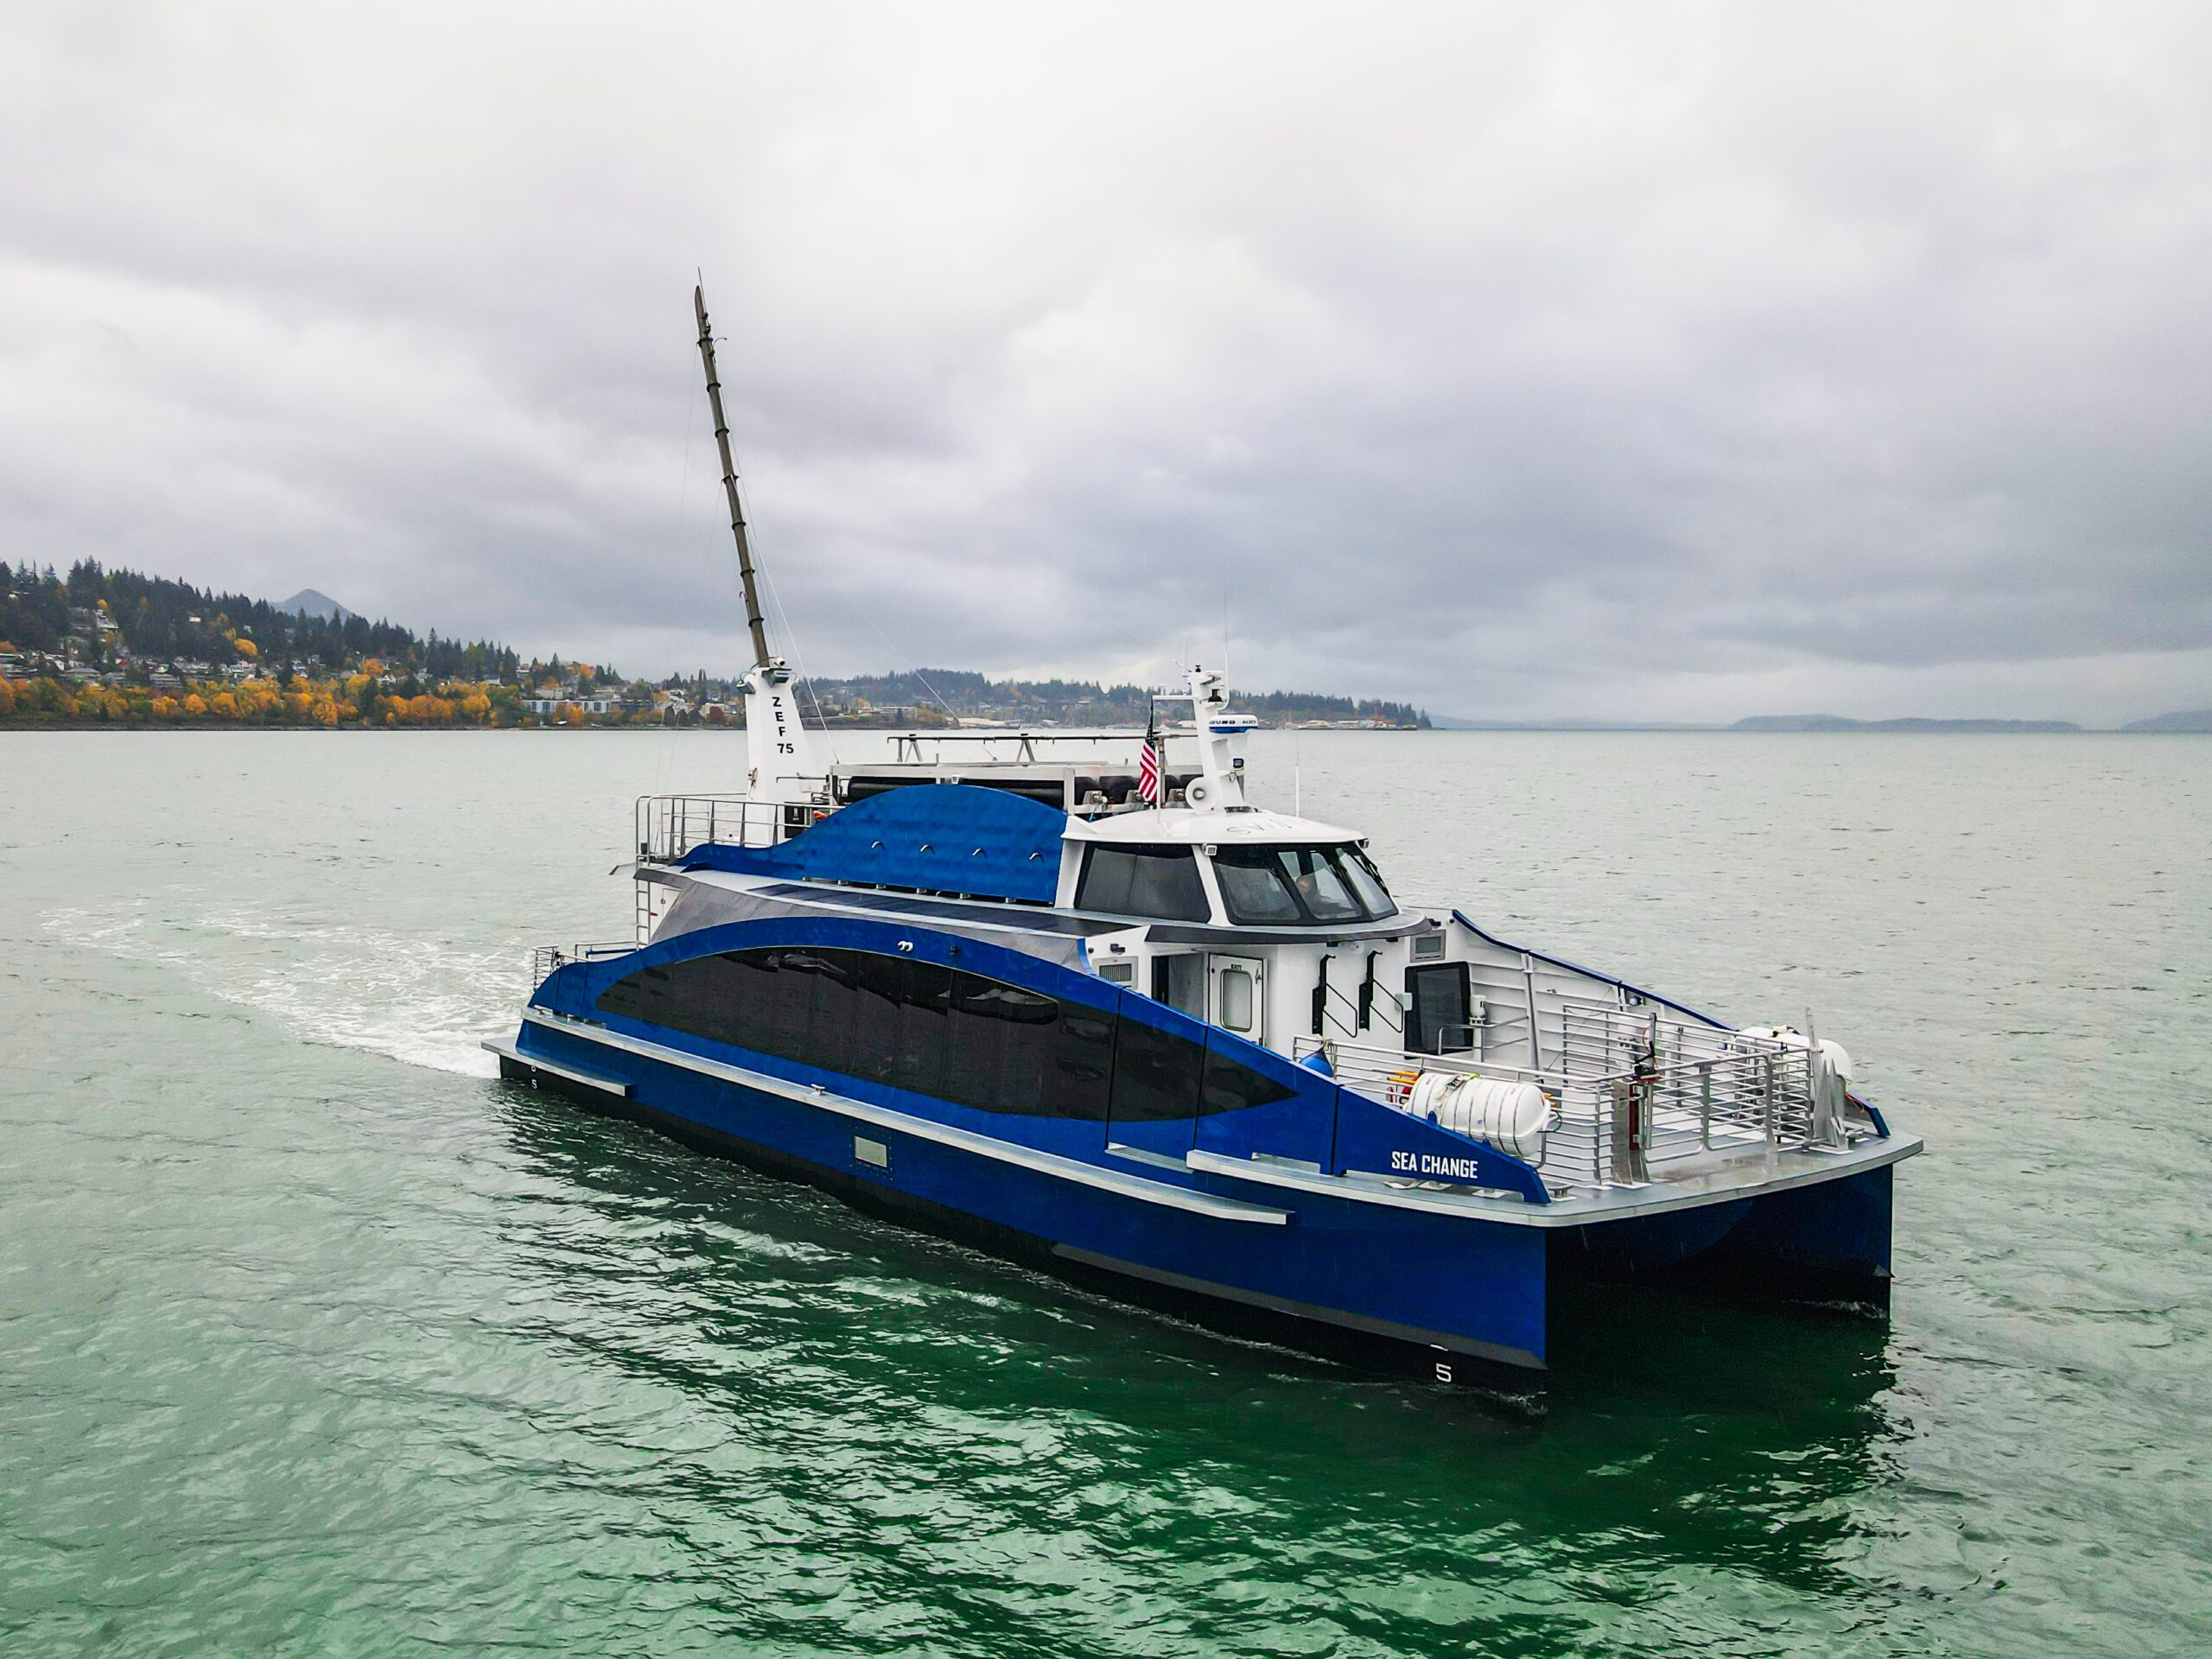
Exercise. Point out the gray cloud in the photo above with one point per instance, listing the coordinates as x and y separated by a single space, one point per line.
1668 362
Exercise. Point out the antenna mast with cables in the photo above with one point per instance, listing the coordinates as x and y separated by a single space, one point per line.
780 768
753 620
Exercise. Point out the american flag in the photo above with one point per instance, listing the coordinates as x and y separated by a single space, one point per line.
1149 779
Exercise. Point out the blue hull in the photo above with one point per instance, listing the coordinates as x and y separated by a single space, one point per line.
1034 1110
1346 1279
1831 1240
1437 1297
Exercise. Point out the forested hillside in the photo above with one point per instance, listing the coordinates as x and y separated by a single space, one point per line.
157 618
113 646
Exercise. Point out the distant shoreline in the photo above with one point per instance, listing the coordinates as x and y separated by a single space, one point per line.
179 727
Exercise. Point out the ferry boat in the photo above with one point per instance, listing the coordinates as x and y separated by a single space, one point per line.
1074 998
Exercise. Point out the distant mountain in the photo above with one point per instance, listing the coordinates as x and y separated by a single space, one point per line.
964 694
1455 723
309 602
1838 723
1797 723
2192 720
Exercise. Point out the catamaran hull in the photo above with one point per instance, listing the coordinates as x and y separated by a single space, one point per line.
1442 1297
1829 1242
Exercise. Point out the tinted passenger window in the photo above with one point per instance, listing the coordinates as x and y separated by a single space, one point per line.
917 1026
815 1006
955 1036
1156 881
1156 1075
1083 1063
975 1043
924 1028
1025 1039
879 988
1231 1086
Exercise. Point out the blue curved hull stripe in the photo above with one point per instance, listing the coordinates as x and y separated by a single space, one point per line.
1005 1152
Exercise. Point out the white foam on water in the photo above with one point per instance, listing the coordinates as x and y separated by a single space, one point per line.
422 1001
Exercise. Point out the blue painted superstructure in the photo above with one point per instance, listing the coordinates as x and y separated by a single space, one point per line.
947 838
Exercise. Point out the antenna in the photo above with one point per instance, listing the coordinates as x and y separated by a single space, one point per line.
753 620
779 769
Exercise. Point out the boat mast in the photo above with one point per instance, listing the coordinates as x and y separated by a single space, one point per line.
753 621
780 760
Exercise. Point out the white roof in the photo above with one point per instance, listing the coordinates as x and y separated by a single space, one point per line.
1184 824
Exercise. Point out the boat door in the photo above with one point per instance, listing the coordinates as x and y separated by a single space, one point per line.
1439 1021
1180 981
1236 995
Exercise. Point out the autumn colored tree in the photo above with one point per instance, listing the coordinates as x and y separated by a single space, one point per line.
7 699
195 705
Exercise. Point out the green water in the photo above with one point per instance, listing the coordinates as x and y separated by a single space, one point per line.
316 1340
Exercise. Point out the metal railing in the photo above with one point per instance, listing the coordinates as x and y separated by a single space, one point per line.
544 958
1006 745
668 826
1633 1091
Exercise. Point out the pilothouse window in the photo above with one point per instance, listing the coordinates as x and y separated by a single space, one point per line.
1264 886
1367 881
1161 882
1254 888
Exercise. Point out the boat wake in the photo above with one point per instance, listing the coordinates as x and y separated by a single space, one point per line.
421 1002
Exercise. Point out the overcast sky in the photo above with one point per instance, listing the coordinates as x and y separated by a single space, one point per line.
1637 361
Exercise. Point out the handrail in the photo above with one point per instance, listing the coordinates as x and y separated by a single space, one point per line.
1631 1089
670 826
1352 1004
546 959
